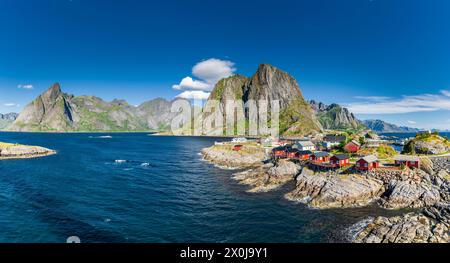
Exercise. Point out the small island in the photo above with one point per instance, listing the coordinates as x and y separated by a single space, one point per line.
342 170
18 151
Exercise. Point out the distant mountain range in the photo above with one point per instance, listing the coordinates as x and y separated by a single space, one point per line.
335 116
382 126
60 112
7 119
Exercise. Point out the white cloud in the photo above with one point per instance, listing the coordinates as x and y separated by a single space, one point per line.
213 70
207 74
11 104
27 86
372 98
405 104
412 122
190 84
193 95
446 92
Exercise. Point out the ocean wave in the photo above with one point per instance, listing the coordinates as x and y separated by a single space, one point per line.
101 137
120 161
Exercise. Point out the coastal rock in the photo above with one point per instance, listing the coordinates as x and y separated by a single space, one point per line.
431 147
224 156
333 190
430 226
402 194
10 151
284 168
268 176
441 164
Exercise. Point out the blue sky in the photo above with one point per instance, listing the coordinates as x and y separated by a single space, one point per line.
387 59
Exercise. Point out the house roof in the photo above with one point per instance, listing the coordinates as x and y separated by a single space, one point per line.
407 158
281 148
305 143
321 154
341 156
370 158
354 142
334 138
305 152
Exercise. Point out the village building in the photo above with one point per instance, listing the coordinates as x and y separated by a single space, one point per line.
239 140
331 141
304 146
304 155
293 153
367 163
238 147
320 157
352 147
340 160
408 161
280 152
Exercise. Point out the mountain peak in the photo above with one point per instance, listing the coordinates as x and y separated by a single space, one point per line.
53 92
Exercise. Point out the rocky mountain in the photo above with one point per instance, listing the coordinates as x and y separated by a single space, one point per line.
269 83
7 119
381 126
334 116
57 111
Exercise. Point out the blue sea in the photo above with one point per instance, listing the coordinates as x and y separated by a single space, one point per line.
138 188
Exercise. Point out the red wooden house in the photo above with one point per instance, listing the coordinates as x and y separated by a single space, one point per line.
238 147
408 161
340 160
320 157
293 153
367 163
304 155
352 147
280 152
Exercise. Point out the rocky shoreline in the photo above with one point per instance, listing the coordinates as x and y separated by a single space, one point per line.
427 188
17 151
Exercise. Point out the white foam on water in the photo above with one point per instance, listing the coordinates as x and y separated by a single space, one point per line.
145 164
120 161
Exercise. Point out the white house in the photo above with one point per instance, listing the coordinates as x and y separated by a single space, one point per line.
305 146
331 141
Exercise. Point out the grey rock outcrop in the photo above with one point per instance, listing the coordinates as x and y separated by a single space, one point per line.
430 226
12 151
335 191
411 194
268 176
